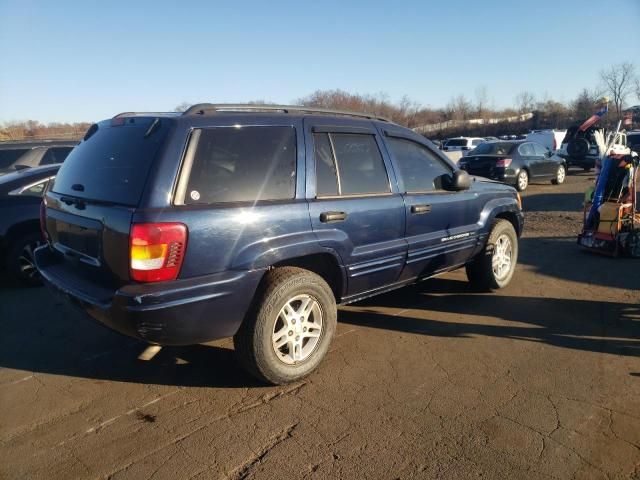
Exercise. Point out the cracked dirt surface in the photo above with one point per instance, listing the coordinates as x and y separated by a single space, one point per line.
540 380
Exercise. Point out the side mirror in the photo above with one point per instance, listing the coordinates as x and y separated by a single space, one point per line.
459 180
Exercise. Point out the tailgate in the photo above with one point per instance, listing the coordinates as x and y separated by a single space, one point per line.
91 202
91 239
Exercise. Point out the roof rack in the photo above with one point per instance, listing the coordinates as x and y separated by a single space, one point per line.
202 108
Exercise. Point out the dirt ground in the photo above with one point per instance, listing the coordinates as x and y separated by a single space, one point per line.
540 380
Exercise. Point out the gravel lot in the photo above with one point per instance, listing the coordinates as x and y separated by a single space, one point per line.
540 380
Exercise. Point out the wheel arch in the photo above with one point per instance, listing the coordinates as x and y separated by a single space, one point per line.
20 229
512 218
325 265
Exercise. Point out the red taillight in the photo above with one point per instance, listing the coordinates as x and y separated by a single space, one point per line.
503 162
156 251
43 221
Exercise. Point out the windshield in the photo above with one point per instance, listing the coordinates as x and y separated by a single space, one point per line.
113 163
494 148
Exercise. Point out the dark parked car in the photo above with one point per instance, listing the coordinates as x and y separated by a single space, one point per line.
633 140
515 163
32 154
20 198
254 221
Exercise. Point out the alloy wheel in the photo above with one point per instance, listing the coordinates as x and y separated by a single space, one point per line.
26 262
502 257
297 329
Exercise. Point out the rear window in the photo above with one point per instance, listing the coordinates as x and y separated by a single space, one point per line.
244 164
457 142
494 148
10 156
113 163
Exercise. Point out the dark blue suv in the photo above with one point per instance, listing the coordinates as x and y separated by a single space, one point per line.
254 221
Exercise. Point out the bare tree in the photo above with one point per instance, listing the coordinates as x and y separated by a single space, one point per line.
525 102
182 107
458 108
619 81
482 101
585 104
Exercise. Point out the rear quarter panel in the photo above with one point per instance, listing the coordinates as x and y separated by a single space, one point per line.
240 236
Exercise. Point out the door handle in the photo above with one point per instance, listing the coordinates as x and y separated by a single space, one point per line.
419 209
328 217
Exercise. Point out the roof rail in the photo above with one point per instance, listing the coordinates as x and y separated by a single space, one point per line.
144 114
202 108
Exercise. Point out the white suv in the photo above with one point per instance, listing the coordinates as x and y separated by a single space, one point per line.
463 144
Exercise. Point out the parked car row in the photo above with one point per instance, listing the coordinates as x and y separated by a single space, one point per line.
515 163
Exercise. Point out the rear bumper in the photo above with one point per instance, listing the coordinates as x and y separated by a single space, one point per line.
583 162
507 176
180 312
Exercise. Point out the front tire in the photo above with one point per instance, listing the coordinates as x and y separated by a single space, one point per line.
288 331
20 261
561 174
522 180
494 266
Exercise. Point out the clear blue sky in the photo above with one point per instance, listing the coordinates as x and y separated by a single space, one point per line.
87 60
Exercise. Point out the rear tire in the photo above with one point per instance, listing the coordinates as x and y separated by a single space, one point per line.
20 259
494 266
287 332
561 174
522 180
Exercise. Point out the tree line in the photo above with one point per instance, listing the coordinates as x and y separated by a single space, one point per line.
620 82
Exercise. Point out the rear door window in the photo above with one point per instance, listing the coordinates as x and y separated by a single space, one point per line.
539 150
526 150
113 163
244 164
361 169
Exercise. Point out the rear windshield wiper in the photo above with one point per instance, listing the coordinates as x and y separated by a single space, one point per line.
81 202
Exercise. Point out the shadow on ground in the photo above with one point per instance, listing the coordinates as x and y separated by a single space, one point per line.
576 324
40 334
563 258
552 202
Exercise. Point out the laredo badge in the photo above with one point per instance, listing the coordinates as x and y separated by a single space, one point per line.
455 237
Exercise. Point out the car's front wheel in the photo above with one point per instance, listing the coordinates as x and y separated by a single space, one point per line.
20 260
287 333
494 266
561 174
522 180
